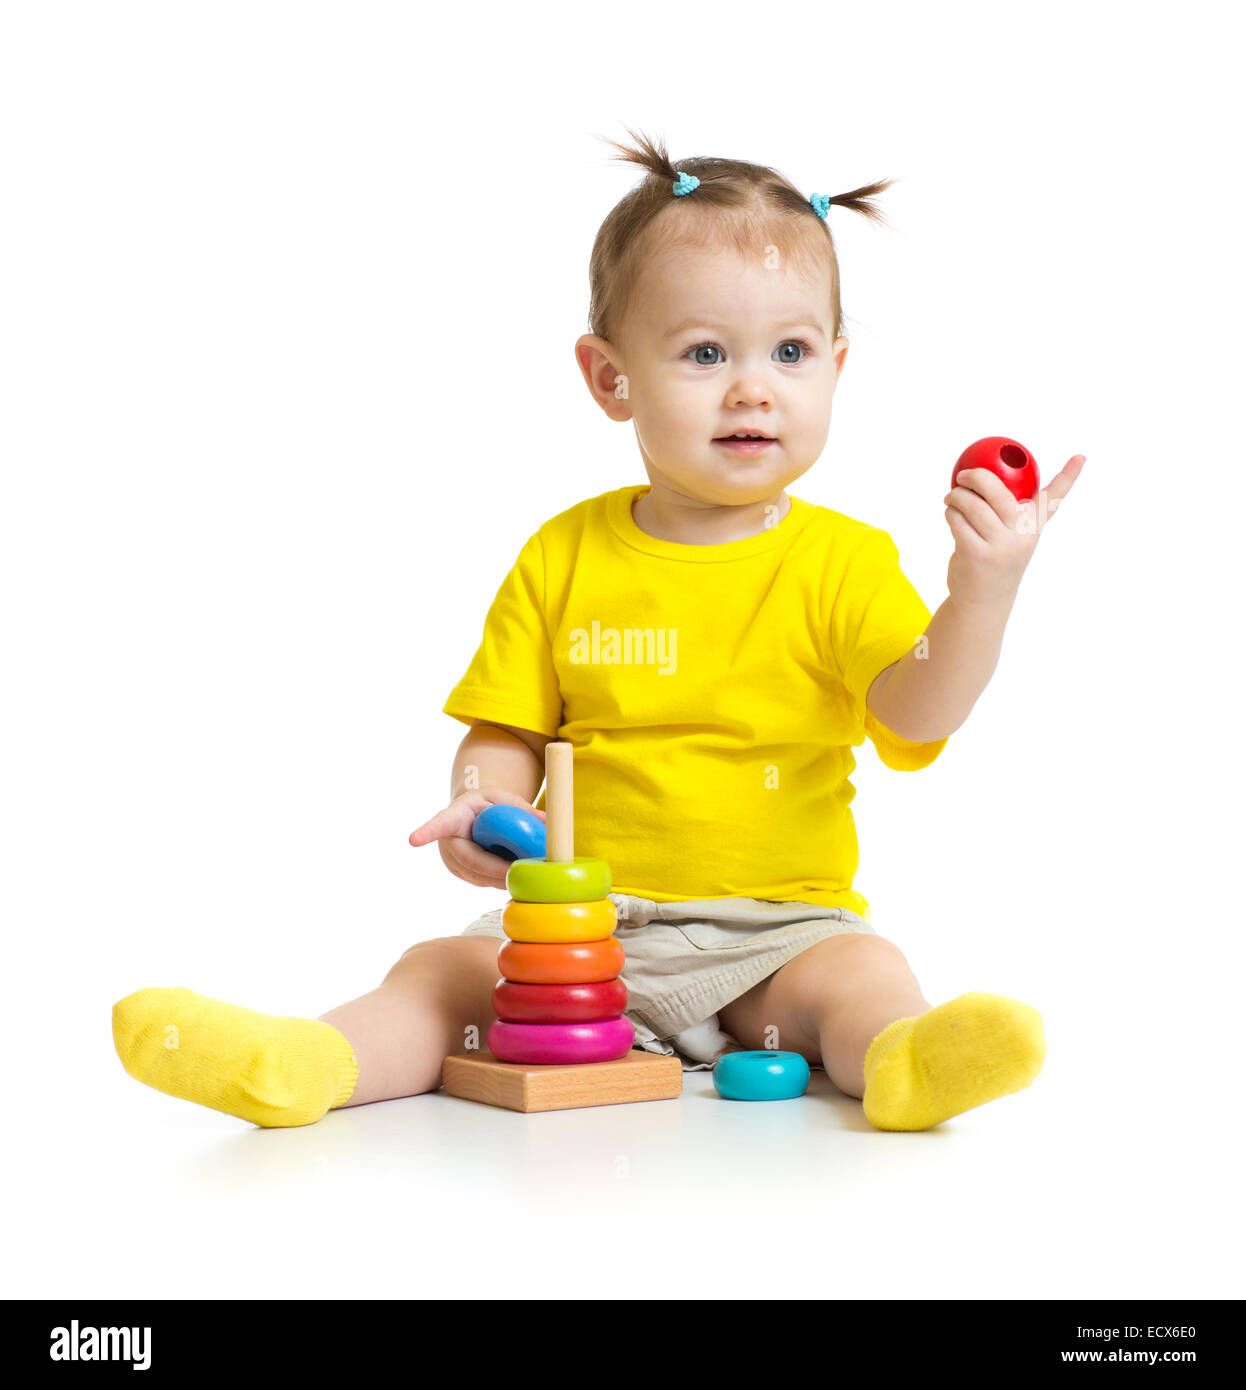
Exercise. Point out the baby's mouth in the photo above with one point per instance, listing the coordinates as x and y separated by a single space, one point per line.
747 444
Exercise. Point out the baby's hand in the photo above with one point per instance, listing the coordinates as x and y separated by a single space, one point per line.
452 829
996 535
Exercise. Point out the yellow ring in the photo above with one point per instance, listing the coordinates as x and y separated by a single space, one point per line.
592 921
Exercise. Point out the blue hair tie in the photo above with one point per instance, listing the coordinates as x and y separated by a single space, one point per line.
821 203
686 183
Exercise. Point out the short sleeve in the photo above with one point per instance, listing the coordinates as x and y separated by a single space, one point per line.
877 616
511 679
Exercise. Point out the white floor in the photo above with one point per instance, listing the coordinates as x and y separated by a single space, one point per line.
1055 1192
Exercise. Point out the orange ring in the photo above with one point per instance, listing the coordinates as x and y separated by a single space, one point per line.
561 962
591 921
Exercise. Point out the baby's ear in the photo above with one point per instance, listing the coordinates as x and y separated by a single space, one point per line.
600 364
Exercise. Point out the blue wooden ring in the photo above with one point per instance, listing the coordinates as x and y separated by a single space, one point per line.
510 832
761 1075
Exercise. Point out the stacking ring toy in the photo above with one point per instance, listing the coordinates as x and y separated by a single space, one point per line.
575 880
761 1075
510 832
521 1003
543 1043
559 921
561 962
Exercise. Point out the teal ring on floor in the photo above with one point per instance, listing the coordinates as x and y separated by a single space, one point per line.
761 1075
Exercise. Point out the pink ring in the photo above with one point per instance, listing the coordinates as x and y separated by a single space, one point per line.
542 1043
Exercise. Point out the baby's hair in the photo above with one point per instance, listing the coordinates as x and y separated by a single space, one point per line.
750 207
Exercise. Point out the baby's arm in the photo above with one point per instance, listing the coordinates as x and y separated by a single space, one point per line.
502 756
928 693
495 763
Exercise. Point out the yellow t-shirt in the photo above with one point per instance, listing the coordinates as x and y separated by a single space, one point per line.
713 693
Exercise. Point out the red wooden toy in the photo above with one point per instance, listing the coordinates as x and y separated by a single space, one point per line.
1012 464
517 1002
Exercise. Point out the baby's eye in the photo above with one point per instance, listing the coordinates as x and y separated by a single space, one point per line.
805 349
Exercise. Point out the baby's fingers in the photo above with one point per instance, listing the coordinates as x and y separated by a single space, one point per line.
477 866
1059 487
1062 483
456 819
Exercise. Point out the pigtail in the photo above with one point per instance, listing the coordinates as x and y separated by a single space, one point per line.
857 200
652 157
650 154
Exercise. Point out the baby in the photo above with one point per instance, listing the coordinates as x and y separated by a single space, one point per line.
713 648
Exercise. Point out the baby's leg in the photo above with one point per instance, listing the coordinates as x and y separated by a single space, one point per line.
829 1003
402 1031
852 1003
289 1071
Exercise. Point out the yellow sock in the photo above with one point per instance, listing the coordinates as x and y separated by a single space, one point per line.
920 1071
271 1071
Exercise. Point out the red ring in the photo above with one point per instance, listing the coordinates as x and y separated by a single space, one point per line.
527 1003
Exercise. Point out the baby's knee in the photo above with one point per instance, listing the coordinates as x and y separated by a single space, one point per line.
855 949
844 966
463 964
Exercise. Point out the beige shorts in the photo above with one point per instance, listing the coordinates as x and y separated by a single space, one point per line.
687 960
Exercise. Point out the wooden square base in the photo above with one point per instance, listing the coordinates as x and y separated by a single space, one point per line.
526 1086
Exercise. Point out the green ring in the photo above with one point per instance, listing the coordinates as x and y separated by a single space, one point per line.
579 880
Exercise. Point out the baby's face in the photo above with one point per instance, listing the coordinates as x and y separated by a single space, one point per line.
714 344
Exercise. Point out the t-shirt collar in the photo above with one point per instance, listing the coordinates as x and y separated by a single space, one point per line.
619 512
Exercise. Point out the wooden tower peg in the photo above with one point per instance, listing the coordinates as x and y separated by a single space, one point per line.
559 803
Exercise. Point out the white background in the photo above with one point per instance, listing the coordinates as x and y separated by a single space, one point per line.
287 304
